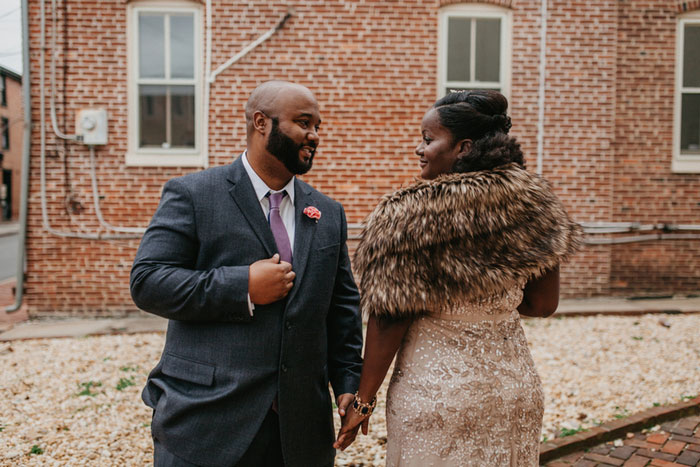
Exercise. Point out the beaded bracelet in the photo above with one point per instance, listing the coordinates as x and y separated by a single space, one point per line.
364 409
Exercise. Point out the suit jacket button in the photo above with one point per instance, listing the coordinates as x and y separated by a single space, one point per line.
284 368
289 325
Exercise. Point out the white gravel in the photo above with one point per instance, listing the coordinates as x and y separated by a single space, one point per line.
594 369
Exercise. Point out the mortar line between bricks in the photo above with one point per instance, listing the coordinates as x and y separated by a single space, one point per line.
612 430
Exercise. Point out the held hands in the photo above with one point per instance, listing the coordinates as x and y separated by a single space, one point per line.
350 422
270 280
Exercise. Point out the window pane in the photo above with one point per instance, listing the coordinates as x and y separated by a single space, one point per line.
458 50
488 50
690 124
5 125
691 56
152 121
182 111
151 46
182 46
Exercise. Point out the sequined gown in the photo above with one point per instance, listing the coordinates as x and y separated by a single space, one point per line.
465 391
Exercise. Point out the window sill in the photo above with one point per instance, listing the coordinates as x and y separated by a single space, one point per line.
165 160
686 165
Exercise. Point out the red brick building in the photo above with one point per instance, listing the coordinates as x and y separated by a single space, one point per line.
604 94
10 143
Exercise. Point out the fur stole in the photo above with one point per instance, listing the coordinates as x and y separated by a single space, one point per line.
461 237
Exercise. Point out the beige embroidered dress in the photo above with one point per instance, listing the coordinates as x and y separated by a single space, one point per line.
465 391
453 255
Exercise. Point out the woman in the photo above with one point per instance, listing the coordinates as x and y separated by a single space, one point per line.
446 266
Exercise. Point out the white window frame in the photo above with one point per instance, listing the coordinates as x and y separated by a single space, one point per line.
475 11
682 163
176 157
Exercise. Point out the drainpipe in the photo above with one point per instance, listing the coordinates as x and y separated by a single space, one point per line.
252 45
42 151
96 203
543 78
26 148
54 52
207 83
210 77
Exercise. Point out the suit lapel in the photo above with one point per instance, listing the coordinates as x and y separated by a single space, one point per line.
243 194
304 230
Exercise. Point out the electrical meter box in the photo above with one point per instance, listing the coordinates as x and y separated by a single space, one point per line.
91 124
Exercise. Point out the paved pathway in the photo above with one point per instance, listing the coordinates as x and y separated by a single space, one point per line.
676 444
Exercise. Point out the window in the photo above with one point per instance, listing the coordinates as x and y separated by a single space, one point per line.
5 127
686 150
165 81
474 48
3 91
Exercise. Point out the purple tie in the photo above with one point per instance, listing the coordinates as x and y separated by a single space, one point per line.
277 227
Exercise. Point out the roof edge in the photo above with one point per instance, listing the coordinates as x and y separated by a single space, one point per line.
11 73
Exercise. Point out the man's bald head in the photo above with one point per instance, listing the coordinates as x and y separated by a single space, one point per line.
282 123
266 98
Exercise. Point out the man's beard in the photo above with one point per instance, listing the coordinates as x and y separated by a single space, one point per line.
287 151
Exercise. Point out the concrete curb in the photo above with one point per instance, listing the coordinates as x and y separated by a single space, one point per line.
638 312
615 429
627 307
83 328
22 326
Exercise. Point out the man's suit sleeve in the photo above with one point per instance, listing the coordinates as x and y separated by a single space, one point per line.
344 326
164 280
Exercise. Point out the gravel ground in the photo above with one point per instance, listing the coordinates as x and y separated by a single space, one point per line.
76 401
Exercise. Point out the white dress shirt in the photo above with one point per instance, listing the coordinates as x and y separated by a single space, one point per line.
286 206
261 191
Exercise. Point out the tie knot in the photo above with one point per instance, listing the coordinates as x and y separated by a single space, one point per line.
276 199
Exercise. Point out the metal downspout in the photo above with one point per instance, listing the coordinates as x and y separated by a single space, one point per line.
42 151
252 45
26 148
207 82
543 80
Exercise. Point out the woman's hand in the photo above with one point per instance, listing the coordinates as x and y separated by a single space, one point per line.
381 344
351 423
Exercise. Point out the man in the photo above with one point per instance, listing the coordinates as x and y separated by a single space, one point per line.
263 308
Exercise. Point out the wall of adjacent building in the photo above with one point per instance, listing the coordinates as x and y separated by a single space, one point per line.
12 157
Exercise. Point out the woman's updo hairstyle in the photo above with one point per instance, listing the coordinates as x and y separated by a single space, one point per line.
480 115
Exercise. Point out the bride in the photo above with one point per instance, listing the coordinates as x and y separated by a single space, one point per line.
446 267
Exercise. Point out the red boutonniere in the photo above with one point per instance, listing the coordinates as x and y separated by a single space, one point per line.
312 213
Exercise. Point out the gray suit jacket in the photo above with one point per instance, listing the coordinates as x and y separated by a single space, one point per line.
221 368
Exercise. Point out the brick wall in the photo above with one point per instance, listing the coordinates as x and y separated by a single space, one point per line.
645 189
373 67
579 121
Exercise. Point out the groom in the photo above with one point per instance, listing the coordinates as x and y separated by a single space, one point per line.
250 266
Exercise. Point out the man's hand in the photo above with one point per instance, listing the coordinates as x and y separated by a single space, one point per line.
344 401
350 422
270 280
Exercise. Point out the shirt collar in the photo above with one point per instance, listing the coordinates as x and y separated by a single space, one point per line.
260 187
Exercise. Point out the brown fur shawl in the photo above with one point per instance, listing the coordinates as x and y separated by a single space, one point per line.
460 237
